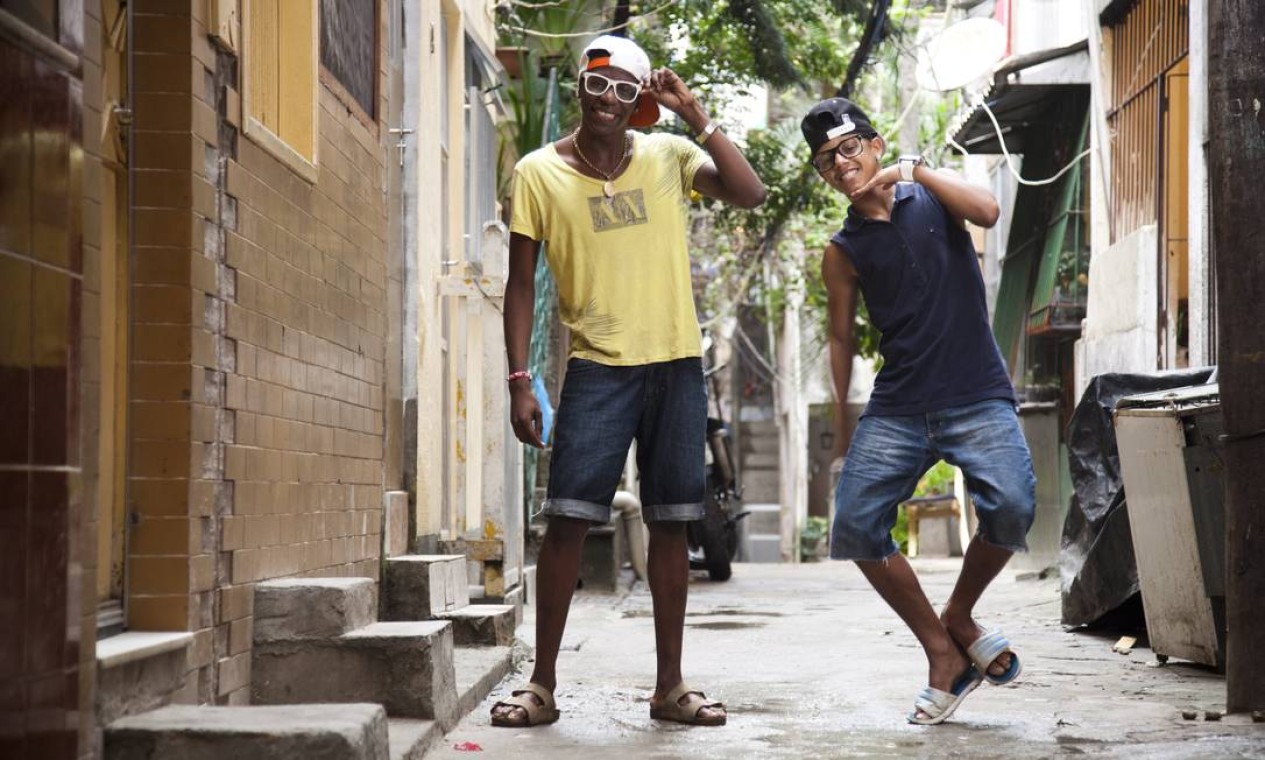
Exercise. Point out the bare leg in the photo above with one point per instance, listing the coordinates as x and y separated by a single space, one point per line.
896 582
669 568
557 570
982 563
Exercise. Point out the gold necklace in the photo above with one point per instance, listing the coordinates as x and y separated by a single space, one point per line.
608 187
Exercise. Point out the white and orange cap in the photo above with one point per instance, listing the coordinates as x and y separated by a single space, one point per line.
623 53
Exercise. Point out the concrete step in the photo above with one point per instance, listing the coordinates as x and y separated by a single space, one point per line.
765 518
764 547
352 731
479 670
139 671
758 444
482 625
412 738
404 666
760 485
755 428
313 608
515 597
420 586
753 461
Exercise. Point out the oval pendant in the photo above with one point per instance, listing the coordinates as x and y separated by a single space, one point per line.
608 189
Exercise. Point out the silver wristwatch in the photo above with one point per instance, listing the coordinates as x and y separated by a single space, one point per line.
906 166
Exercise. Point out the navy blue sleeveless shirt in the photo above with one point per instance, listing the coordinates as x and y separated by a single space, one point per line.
922 285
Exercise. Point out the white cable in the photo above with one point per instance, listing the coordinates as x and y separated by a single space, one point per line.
590 33
522 4
1001 140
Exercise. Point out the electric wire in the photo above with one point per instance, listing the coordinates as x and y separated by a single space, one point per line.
1001 140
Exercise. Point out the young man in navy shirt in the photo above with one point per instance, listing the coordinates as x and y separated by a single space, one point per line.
942 393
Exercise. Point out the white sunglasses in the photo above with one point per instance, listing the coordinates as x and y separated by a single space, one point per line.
596 85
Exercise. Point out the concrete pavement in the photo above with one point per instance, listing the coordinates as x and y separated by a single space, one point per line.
811 663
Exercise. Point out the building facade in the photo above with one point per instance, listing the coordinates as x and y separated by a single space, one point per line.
233 335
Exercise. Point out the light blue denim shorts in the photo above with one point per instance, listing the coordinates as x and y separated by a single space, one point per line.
889 454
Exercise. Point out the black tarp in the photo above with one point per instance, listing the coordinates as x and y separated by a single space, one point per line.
1096 562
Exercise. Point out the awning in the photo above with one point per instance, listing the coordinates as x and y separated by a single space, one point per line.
1019 95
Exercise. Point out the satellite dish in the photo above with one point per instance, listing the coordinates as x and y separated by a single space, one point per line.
961 54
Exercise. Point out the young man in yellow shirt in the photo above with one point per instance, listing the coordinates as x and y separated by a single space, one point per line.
612 206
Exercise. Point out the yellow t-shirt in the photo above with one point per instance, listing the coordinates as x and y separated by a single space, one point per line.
621 264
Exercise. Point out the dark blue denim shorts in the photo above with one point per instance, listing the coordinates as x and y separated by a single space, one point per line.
603 409
889 454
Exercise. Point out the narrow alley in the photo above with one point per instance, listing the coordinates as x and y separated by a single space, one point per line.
811 663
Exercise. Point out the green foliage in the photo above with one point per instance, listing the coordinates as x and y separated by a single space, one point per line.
812 535
900 531
938 481
730 46
549 19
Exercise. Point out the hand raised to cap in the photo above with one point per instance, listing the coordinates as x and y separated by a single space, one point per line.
669 90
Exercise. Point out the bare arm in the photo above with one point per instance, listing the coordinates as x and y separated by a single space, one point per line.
520 298
841 292
963 201
728 177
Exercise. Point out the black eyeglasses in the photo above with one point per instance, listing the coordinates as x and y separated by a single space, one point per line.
596 85
849 148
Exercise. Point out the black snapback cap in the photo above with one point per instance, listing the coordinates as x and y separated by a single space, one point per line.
831 118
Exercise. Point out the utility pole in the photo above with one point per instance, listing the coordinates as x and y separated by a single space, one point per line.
1236 162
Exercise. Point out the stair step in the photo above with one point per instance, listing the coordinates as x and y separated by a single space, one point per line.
420 586
760 485
759 428
479 670
313 608
405 666
764 523
138 671
515 597
759 445
764 547
482 625
412 738
352 731
754 461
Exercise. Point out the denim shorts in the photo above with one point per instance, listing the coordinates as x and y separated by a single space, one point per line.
603 409
889 454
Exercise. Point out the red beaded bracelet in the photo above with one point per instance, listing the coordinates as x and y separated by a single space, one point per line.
521 374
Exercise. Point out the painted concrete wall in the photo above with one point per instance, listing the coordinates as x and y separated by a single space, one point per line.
1121 317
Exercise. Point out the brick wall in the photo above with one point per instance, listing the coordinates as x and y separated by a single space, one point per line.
258 355
310 332
308 329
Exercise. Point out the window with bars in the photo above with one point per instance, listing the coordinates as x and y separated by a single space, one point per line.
349 49
1144 41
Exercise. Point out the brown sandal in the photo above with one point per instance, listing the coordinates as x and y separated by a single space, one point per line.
672 709
539 713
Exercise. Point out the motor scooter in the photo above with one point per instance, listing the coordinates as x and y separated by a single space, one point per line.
713 540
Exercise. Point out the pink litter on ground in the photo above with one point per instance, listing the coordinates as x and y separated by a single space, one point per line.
467 747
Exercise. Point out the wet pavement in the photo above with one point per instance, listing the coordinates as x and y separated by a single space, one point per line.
811 663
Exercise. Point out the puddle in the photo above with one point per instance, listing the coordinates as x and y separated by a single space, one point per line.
725 612
724 625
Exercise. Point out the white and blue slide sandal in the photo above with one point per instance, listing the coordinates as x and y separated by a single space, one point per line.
938 705
988 648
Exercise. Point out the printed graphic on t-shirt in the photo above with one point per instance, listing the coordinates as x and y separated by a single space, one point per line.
626 209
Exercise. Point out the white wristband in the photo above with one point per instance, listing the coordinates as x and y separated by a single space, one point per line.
702 136
906 165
